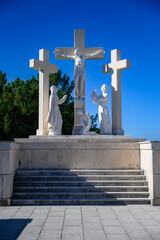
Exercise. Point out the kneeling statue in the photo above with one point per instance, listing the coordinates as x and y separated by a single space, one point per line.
85 120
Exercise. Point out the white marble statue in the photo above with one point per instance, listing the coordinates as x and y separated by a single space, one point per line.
105 125
80 68
85 120
54 117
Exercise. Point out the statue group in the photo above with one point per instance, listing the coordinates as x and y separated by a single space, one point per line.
82 121
54 117
55 121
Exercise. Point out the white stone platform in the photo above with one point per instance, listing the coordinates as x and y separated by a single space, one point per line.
83 152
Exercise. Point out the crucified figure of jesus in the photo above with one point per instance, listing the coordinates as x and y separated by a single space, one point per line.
79 71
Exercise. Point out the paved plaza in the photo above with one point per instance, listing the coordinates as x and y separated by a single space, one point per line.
80 222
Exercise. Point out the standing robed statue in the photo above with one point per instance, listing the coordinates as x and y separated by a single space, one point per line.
54 117
103 114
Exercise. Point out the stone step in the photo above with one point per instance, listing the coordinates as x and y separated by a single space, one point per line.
80 188
100 201
49 172
79 177
82 195
83 183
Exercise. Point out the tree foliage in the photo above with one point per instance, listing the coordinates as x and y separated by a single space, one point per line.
19 105
18 109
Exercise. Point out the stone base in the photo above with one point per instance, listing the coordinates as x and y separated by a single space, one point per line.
155 202
76 130
117 131
80 152
40 132
5 202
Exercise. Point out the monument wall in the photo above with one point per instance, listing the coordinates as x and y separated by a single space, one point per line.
150 163
9 163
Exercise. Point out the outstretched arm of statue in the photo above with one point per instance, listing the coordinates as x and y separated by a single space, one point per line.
94 54
94 96
63 54
62 100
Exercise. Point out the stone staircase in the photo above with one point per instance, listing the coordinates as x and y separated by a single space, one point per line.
80 187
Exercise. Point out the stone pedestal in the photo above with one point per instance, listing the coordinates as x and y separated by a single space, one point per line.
79 104
79 152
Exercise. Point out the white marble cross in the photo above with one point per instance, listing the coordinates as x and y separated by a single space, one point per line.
44 68
79 53
115 68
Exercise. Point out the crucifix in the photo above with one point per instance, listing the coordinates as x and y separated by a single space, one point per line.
44 68
115 68
79 53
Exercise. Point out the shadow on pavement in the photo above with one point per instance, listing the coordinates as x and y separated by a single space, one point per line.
10 229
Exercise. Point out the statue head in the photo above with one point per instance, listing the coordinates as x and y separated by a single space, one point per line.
53 89
76 52
104 88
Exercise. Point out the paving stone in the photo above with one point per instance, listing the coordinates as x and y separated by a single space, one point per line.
118 237
132 226
73 222
96 237
53 226
114 230
72 230
91 219
55 219
153 229
43 210
155 236
73 211
32 230
30 237
37 222
72 237
49 235
23 223
93 226
108 216
56 214
38 216
150 222
142 234
72 216
110 222
141 216
94 234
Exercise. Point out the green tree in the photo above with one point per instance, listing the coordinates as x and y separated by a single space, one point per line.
94 124
19 105
3 81
18 109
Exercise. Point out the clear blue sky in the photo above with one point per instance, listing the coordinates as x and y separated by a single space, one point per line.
131 26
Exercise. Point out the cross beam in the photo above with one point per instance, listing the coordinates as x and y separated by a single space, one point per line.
115 68
86 53
44 68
